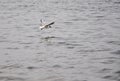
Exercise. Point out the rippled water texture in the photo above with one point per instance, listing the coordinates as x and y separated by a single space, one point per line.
82 45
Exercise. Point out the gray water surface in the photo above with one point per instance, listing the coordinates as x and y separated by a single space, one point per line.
82 45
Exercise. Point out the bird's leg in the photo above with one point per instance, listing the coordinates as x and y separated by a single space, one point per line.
49 26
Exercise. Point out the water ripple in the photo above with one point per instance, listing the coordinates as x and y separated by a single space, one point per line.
82 45
116 52
11 78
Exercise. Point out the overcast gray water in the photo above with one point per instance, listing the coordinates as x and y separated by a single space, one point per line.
82 45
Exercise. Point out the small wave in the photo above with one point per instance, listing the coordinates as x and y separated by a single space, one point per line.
94 50
49 37
26 43
114 42
117 2
31 67
13 66
116 52
68 22
1 72
111 77
11 78
57 66
31 36
107 76
14 48
117 73
105 70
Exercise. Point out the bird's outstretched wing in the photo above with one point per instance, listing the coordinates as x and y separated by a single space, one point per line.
41 22
50 23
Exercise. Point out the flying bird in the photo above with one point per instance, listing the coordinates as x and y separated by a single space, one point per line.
43 26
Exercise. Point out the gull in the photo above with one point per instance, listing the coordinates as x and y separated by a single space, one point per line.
46 25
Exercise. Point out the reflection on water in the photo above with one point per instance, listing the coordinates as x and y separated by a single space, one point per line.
83 44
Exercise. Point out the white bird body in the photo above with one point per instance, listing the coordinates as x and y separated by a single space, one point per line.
46 25
42 27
